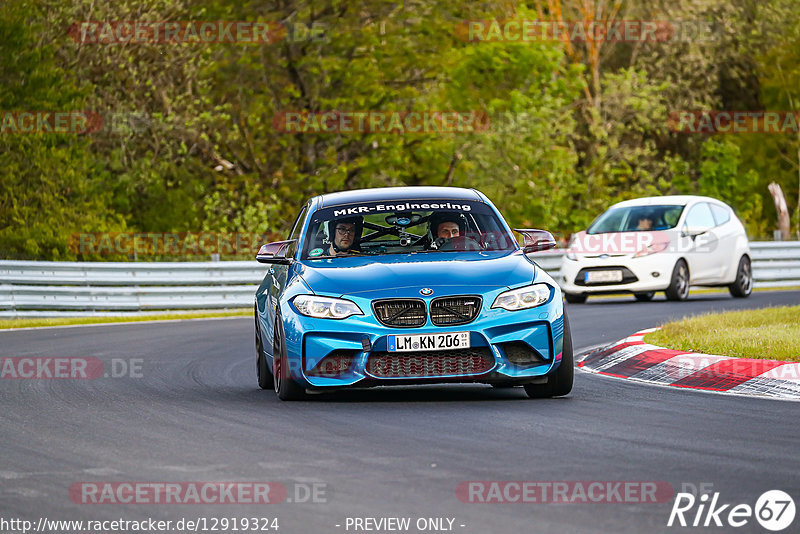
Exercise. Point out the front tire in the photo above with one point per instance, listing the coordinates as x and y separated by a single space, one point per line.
286 388
263 373
679 283
559 383
743 285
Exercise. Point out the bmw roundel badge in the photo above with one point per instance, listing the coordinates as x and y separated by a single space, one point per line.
425 291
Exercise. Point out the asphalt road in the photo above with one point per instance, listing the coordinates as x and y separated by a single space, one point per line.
193 413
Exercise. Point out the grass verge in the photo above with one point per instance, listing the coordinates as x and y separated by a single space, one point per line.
769 333
164 316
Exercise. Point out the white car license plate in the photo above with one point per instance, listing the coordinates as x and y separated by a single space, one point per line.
418 342
593 277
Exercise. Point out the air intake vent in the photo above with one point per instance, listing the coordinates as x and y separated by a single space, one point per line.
521 354
336 363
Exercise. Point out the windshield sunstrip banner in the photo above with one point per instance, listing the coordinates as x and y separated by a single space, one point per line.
400 207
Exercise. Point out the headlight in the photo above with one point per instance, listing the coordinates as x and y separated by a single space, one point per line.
571 249
523 297
325 307
652 249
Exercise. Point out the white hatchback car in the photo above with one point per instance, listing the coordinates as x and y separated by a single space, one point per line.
659 244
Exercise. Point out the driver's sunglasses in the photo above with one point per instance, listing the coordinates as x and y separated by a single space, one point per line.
341 230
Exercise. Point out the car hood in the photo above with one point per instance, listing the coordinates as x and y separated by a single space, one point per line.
361 275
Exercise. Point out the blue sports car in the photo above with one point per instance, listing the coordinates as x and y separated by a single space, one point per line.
408 285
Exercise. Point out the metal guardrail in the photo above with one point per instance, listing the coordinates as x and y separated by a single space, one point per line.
39 289
63 273
776 264
73 288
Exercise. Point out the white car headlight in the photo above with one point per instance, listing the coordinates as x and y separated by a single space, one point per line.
571 250
524 297
325 307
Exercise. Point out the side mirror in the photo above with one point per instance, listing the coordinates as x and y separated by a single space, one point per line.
275 253
536 240
688 231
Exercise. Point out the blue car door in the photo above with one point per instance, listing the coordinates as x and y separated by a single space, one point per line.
278 275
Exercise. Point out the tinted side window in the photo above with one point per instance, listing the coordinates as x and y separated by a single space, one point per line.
295 233
721 214
700 217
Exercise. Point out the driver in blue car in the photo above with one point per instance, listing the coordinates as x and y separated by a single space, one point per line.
444 226
345 236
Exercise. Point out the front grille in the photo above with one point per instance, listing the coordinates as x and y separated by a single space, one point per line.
400 313
448 311
463 362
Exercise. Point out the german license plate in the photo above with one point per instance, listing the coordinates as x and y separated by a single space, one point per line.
594 277
418 342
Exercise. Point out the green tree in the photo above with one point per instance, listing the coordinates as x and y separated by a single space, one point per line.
50 185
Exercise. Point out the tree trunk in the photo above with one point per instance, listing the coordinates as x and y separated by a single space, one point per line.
797 211
780 206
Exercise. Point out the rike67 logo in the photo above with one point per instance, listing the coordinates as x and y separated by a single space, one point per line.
774 510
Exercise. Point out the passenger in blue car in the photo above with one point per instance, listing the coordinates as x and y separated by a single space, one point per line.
345 236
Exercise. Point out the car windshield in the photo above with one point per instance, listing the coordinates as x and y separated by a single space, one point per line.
636 219
405 227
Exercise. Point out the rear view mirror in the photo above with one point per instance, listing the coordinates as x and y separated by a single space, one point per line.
274 253
536 240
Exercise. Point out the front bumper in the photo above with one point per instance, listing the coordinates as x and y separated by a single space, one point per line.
648 273
518 346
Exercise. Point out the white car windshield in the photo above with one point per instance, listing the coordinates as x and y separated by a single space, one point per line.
636 219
